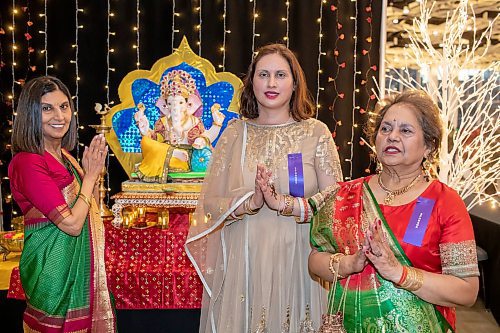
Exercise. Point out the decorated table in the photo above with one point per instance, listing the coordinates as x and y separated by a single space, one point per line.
146 265
11 310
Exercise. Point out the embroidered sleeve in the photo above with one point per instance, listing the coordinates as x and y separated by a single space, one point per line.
459 259
32 178
327 155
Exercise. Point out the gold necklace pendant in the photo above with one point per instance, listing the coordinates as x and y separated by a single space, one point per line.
389 198
391 194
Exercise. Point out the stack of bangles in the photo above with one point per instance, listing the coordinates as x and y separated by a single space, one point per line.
288 204
335 262
306 211
412 279
85 199
247 210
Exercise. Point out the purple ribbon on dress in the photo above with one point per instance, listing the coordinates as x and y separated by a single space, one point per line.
418 222
295 175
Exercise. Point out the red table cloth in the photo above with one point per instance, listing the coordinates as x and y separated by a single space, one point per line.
146 268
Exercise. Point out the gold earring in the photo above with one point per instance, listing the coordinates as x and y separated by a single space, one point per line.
426 167
379 168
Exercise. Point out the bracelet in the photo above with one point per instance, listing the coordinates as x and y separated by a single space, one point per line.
85 199
300 219
308 211
235 217
413 280
403 276
335 259
215 123
248 210
288 207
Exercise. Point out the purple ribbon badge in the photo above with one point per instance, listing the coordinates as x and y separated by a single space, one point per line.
418 222
295 175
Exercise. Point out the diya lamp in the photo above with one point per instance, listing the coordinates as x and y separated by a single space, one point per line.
126 222
103 129
163 219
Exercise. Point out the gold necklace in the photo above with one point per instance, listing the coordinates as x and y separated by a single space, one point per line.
391 194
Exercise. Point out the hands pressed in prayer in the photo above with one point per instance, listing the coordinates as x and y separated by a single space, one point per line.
94 157
380 254
257 199
264 179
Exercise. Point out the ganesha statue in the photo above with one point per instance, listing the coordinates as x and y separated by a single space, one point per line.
170 118
178 134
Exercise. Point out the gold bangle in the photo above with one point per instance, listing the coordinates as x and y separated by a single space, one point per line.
335 259
85 199
288 206
248 210
214 123
414 279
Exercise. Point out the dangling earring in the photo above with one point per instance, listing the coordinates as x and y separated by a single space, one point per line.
379 168
426 167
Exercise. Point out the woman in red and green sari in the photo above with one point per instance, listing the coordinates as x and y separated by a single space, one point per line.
400 242
62 264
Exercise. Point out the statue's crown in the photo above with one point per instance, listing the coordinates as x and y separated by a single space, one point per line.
178 82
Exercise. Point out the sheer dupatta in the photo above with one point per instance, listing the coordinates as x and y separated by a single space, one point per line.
372 304
222 193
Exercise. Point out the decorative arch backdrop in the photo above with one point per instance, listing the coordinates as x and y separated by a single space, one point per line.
92 45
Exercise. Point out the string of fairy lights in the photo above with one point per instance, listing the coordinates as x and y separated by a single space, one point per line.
138 32
333 78
109 50
286 19
76 99
255 15
200 23
223 48
45 33
174 30
354 88
13 66
357 74
320 54
27 35
108 71
373 68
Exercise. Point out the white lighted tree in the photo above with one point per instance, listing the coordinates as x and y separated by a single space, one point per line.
470 153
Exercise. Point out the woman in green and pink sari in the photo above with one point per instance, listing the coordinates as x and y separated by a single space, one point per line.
62 264
400 242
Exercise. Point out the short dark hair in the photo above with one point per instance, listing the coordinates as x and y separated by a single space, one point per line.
426 111
27 133
301 103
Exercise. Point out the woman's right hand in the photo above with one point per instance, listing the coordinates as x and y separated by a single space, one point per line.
357 261
257 199
263 179
94 157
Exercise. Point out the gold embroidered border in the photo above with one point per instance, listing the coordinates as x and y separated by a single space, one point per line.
459 259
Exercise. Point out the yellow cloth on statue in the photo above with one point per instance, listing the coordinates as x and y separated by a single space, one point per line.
154 156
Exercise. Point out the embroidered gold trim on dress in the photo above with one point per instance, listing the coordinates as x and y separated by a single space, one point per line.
459 259
328 157
271 145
